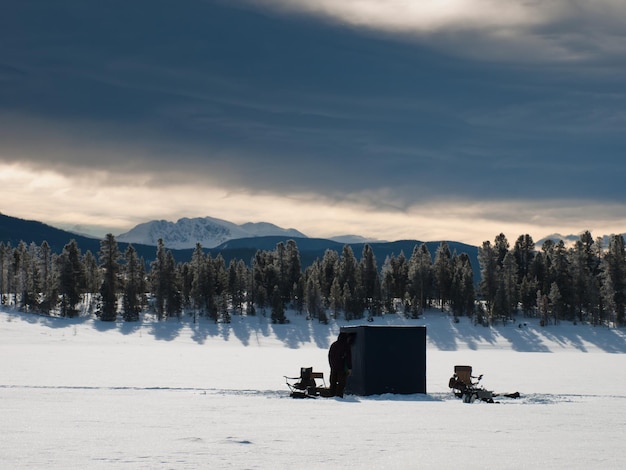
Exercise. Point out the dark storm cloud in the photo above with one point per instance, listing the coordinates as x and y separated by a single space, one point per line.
211 91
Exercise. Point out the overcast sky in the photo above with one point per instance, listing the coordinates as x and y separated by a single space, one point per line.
390 119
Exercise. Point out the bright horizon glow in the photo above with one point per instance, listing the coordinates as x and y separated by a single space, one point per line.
91 205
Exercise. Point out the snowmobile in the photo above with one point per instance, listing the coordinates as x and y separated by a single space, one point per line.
306 386
465 387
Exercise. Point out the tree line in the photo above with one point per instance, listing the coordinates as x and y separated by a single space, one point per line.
584 282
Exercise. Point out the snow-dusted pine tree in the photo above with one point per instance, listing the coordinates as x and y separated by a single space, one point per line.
109 257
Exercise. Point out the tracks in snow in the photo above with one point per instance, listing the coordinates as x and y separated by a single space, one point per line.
526 399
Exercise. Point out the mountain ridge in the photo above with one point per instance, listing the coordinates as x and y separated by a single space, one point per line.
210 232
13 230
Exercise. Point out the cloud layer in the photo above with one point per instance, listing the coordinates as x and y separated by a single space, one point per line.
496 29
421 117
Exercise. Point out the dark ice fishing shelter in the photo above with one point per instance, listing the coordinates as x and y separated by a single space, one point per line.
387 359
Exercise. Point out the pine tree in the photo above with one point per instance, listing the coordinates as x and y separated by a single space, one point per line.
260 294
500 303
251 293
203 284
109 257
313 293
584 267
350 279
524 252
442 268
347 267
346 301
134 285
280 260
509 277
266 277
462 292
600 312
328 273
20 268
10 275
501 246
294 267
489 275
221 289
335 300
185 279
562 276
614 277
198 275
387 284
278 307
298 291
237 279
420 279
528 294
173 297
3 251
525 256
159 279
370 280
546 271
400 269
556 302
543 307
358 297
35 282
49 291
29 276
209 287
93 277
71 279
467 284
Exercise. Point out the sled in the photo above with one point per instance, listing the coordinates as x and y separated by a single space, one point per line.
466 386
305 385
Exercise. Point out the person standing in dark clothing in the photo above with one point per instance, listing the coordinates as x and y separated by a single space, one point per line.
340 360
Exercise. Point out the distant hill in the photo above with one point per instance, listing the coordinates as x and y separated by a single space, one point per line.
13 230
353 239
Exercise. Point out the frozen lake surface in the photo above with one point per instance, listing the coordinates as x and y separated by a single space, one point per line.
83 394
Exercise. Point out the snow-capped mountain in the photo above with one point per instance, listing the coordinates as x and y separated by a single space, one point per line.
571 239
207 231
556 237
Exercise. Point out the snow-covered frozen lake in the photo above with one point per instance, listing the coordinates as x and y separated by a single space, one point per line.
83 394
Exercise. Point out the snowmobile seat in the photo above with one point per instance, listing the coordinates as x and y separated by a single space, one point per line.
464 375
464 387
306 386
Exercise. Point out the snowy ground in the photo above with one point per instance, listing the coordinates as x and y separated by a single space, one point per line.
83 394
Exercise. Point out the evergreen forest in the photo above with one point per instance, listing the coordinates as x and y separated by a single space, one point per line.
585 282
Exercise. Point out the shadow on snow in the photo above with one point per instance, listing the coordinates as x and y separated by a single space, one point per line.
442 332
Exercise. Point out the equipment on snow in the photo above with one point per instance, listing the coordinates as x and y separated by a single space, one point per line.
463 386
306 387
